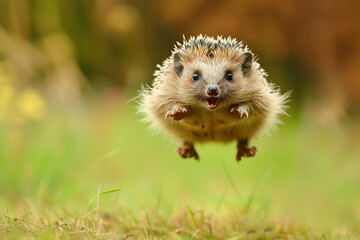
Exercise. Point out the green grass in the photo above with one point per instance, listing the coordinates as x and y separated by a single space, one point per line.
61 179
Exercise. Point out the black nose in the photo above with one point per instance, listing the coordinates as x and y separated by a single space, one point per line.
213 90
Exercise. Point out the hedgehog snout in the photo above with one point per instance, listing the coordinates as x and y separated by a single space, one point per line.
212 91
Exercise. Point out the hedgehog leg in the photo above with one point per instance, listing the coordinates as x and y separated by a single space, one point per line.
178 112
187 150
244 150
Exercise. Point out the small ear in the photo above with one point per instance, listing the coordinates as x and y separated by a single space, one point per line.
177 64
247 62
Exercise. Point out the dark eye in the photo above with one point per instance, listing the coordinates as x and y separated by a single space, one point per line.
229 76
196 76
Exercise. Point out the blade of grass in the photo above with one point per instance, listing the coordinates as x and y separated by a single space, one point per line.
221 199
90 234
232 183
151 231
192 217
237 221
86 209
158 201
86 213
109 154
97 214
110 191
259 179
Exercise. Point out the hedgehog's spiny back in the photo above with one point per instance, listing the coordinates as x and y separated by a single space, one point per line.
210 47
210 43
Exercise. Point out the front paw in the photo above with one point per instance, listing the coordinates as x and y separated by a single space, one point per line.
177 113
240 111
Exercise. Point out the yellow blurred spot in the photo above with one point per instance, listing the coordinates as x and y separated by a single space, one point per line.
122 19
3 78
7 71
31 105
7 93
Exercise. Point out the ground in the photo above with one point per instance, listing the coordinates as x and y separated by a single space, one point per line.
99 173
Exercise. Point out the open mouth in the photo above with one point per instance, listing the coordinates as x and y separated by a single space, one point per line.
212 102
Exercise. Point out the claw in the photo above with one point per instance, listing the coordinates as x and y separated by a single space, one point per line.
240 111
177 113
188 151
244 150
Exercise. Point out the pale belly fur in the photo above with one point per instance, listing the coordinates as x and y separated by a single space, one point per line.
212 127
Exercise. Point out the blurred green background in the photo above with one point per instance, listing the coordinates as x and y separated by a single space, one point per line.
68 69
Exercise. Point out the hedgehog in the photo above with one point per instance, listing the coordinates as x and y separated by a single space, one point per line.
212 90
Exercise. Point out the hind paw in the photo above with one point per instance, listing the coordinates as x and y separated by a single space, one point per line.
244 150
188 151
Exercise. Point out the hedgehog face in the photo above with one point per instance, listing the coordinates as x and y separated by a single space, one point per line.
210 82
